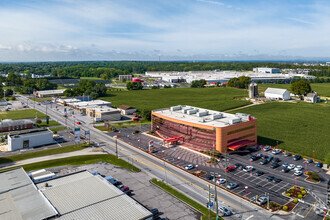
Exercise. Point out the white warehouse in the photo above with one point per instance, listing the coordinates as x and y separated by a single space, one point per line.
30 139
279 94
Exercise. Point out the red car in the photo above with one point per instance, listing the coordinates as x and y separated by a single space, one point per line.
124 189
78 122
136 119
230 168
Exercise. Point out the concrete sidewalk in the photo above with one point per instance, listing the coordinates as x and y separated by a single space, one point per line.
85 151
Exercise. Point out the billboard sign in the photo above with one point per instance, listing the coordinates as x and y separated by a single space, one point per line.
77 135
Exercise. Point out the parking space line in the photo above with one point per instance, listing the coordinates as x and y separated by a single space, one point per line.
311 208
282 187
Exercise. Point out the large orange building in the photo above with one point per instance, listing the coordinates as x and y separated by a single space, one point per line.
204 129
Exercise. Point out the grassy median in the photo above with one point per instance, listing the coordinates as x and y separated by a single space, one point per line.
79 160
185 199
57 150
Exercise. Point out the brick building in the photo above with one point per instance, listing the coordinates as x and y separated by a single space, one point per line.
8 125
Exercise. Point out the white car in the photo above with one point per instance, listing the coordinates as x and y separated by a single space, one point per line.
248 168
222 181
291 166
298 173
298 168
189 167
276 151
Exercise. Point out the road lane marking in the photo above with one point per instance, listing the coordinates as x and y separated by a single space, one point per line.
311 209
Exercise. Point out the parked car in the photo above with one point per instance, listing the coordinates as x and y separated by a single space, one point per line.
232 185
253 158
310 161
124 189
111 180
277 180
291 166
319 164
248 168
298 168
259 173
259 156
239 166
223 210
64 116
189 167
276 159
221 181
78 122
276 151
274 165
296 157
209 177
288 154
264 161
285 164
230 168
267 148
285 169
270 178
270 158
298 173
154 212
261 200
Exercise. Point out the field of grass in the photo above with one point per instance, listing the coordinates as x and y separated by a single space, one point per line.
51 123
80 160
58 150
22 114
42 99
91 78
211 98
56 129
322 89
185 199
299 127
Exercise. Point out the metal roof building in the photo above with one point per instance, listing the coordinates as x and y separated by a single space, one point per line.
44 93
85 196
275 93
20 199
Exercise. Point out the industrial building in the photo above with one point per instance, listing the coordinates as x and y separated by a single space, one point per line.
126 110
8 125
103 113
266 70
30 139
278 94
20 199
83 105
49 93
85 196
253 90
203 129
68 101
126 77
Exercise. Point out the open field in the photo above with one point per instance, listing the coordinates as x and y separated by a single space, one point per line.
56 129
22 114
299 127
51 123
42 153
42 99
322 89
79 160
211 98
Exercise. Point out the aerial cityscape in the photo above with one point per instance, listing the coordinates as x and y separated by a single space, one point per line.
192 109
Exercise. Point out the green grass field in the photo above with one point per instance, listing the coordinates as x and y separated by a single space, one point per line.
91 78
211 98
322 89
299 127
56 129
22 114
58 150
42 99
79 160
51 123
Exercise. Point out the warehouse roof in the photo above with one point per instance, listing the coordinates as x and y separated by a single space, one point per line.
203 116
276 91
85 196
31 133
19 198
91 103
50 92
125 107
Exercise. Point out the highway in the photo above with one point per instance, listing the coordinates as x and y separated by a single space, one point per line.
189 184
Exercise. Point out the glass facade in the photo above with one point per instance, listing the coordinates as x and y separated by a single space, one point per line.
195 137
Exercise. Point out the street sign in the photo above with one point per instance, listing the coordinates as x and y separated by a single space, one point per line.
47 119
87 132
77 135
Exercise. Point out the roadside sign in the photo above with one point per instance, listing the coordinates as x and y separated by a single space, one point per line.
47 119
86 132
77 135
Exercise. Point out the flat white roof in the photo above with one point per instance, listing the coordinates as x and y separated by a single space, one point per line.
91 103
225 120
275 91
106 109
85 196
49 92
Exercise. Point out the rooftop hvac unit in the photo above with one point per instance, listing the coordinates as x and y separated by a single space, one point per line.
202 120
192 111
234 120
217 116
243 115
175 108
184 111
201 114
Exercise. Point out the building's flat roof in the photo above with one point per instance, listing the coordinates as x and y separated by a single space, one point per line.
56 91
31 133
90 103
106 109
276 91
85 196
19 198
224 121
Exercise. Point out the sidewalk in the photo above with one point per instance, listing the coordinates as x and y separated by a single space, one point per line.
85 151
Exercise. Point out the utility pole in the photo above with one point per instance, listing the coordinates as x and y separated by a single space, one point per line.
209 201
216 201
116 149
225 168
165 172
34 99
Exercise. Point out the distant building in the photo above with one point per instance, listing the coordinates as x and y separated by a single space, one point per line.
253 90
266 70
126 110
103 113
278 94
30 139
8 125
126 77
327 63
312 97
49 93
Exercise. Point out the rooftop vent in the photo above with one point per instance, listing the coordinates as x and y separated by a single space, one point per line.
175 108
192 111
184 111
201 114
217 116
234 120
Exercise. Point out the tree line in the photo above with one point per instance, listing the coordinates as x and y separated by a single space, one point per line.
87 87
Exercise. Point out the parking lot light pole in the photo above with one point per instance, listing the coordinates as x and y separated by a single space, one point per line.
178 161
295 179
277 144
139 143
313 155
163 154
305 166
196 169
127 138
219 179
118 135
246 187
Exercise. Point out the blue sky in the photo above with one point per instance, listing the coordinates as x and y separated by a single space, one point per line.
41 30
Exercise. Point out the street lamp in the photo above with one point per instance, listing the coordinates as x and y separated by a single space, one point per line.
246 187
295 179
163 153
118 135
128 138
219 179
178 161
277 144
196 169
305 166
139 143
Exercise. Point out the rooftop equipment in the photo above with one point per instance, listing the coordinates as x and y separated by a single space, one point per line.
184 110
217 116
234 120
192 111
175 108
201 114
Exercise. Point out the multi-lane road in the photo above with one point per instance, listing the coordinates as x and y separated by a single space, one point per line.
189 184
